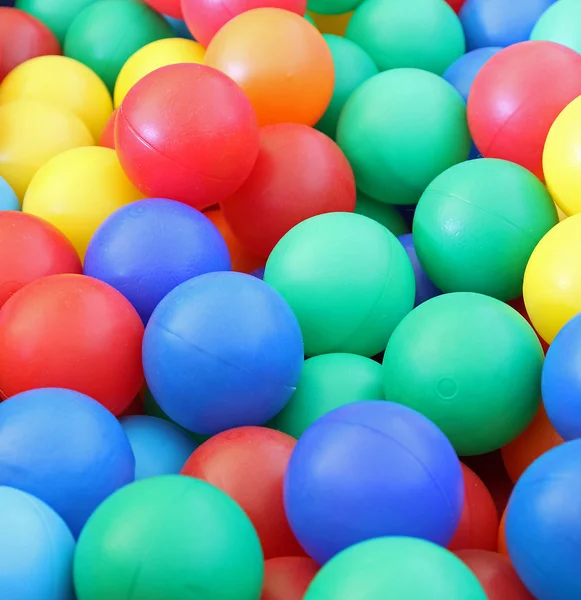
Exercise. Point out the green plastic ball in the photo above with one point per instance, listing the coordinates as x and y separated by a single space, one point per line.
421 34
399 130
353 66
395 568
383 213
477 224
105 34
560 23
347 279
170 537
328 382
332 7
469 363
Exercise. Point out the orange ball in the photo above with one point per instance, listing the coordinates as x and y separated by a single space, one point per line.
502 547
280 60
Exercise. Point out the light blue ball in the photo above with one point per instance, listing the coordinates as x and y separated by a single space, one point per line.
179 27
8 199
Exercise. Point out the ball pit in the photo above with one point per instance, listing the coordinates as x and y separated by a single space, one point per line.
288 578
8 199
462 72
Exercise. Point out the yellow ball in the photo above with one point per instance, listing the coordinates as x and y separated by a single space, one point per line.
154 56
64 82
77 190
31 133
552 282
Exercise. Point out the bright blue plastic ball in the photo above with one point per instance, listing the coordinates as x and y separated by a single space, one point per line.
147 248
543 528
160 447
64 448
425 289
222 350
372 469
36 550
462 73
8 199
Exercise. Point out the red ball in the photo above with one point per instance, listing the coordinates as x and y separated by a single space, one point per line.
23 37
248 464
517 96
456 4
299 173
107 139
187 132
496 575
288 578
75 332
478 527
171 8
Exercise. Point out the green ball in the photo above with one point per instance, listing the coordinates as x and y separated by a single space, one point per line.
107 33
469 363
477 224
396 140
170 537
421 34
348 280
332 7
560 23
383 213
328 382
353 66
395 568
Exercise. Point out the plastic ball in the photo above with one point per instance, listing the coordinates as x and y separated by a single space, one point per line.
331 24
560 23
369 469
517 96
425 289
107 139
248 464
230 342
106 33
502 547
36 549
395 141
328 382
77 190
383 213
65 449
481 393
398 568
73 332
462 72
456 4
179 27
299 173
167 7
181 157
477 224
347 279
352 66
180 536
253 49
333 7
158 54
287 578
8 199
395 37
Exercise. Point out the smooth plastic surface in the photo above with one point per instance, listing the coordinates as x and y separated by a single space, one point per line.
425 289
167 7
288 578
332 8
8 199
462 72
383 213
560 23
107 139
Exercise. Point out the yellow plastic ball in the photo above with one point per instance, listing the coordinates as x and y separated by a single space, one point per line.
154 56
31 133
552 281
77 190
64 82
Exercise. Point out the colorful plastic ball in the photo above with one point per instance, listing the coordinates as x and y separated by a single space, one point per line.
65 449
425 289
328 382
481 393
395 37
369 469
519 306
36 549
560 23
287 578
477 224
502 547
462 73
395 141
179 27
352 66
398 568
517 96
383 213
253 49
181 157
456 4
167 7
77 190
222 350
8 199
181 537
106 33
347 279
22 37
333 8
107 139
158 54
73 332
299 173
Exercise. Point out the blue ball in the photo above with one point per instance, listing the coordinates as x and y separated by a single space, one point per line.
147 248
500 22
462 73
64 448
160 447
258 273
372 469
179 27
543 524
222 350
36 550
8 199
425 289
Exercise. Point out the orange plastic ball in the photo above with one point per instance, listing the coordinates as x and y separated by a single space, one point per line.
280 60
